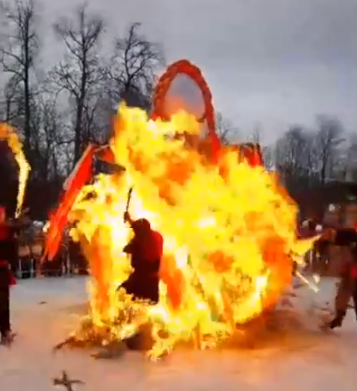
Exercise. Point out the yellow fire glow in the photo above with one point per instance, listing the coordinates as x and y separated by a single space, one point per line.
228 239
8 134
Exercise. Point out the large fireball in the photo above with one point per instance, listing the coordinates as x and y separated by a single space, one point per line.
229 239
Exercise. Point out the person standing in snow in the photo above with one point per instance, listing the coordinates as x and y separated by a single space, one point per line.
347 289
7 238
146 251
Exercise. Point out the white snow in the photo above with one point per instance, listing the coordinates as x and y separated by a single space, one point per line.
319 362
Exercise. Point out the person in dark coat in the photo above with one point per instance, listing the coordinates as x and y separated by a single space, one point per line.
347 289
146 251
7 237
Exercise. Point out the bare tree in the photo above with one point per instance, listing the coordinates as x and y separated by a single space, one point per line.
132 67
293 158
225 129
98 118
348 160
79 73
10 97
256 135
328 142
268 152
18 51
50 136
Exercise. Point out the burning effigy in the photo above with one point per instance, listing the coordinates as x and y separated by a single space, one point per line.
228 228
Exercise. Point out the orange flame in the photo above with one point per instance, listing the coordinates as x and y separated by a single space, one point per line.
8 133
229 241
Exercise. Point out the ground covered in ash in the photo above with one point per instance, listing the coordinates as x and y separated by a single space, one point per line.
289 352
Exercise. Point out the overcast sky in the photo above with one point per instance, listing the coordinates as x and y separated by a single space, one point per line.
268 62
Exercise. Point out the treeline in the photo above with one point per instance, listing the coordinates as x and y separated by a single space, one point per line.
318 165
59 110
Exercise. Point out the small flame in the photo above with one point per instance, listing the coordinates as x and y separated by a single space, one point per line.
8 133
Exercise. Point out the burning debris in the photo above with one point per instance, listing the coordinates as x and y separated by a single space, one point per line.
66 382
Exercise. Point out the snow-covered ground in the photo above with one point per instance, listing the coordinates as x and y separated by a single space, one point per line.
46 310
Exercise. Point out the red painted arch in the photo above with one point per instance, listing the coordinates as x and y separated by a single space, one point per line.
192 71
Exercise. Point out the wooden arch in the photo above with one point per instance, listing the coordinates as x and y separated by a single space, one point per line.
192 71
